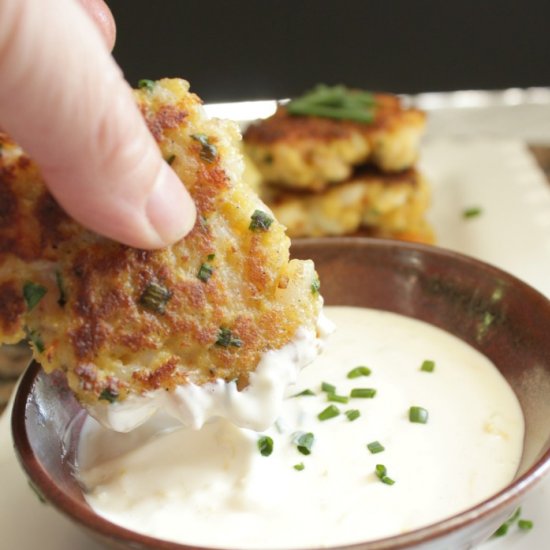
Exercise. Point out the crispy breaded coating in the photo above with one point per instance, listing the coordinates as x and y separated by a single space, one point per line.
311 152
121 321
388 205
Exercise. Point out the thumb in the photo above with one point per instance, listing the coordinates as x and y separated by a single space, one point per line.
64 100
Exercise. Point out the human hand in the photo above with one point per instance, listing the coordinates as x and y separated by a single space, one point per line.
65 101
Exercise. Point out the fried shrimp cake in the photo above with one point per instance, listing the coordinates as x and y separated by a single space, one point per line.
388 205
122 322
312 152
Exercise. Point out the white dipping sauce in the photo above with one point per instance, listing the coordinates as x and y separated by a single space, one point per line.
212 487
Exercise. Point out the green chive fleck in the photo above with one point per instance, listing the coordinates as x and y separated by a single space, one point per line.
353 414
226 339
315 286
525 524
62 300
501 531
366 393
328 388
205 272
146 83
260 221
359 371
170 159
155 297
375 447
337 398
210 257
330 412
33 293
418 415
36 340
472 212
428 365
304 442
304 393
265 445
381 473
208 152
108 395
300 466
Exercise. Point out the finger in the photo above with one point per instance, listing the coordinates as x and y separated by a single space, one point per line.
103 18
64 100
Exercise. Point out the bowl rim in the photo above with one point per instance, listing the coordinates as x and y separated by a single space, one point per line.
83 514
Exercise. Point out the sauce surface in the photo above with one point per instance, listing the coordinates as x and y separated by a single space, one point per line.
213 487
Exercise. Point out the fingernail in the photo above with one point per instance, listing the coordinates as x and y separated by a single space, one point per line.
170 209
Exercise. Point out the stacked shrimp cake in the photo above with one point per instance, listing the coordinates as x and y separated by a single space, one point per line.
340 162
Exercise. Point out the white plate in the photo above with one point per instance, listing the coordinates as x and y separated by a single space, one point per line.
475 157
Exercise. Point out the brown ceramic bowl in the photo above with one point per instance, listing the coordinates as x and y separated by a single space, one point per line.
499 315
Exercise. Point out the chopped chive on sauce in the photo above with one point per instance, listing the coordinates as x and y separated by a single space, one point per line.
304 442
418 415
208 151
472 212
226 339
170 159
304 393
428 365
62 300
365 393
337 398
300 466
210 257
353 414
359 371
155 297
375 447
36 340
108 395
146 83
33 293
525 524
260 221
265 445
330 412
205 272
315 286
328 388
381 473
336 102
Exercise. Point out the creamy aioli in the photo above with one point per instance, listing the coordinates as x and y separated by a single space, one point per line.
212 487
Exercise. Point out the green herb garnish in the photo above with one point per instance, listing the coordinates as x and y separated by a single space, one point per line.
418 415
300 466
208 151
336 102
330 412
205 272
304 393
381 473
33 293
62 300
108 395
428 365
155 297
353 414
304 442
226 339
375 447
337 398
328 388
260 221
146 83
359 371
503 529
265 445
472 212
170 159
366 393
36 340
525 524
315 286
210 257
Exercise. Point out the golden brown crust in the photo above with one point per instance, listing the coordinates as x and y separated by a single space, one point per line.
93 321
